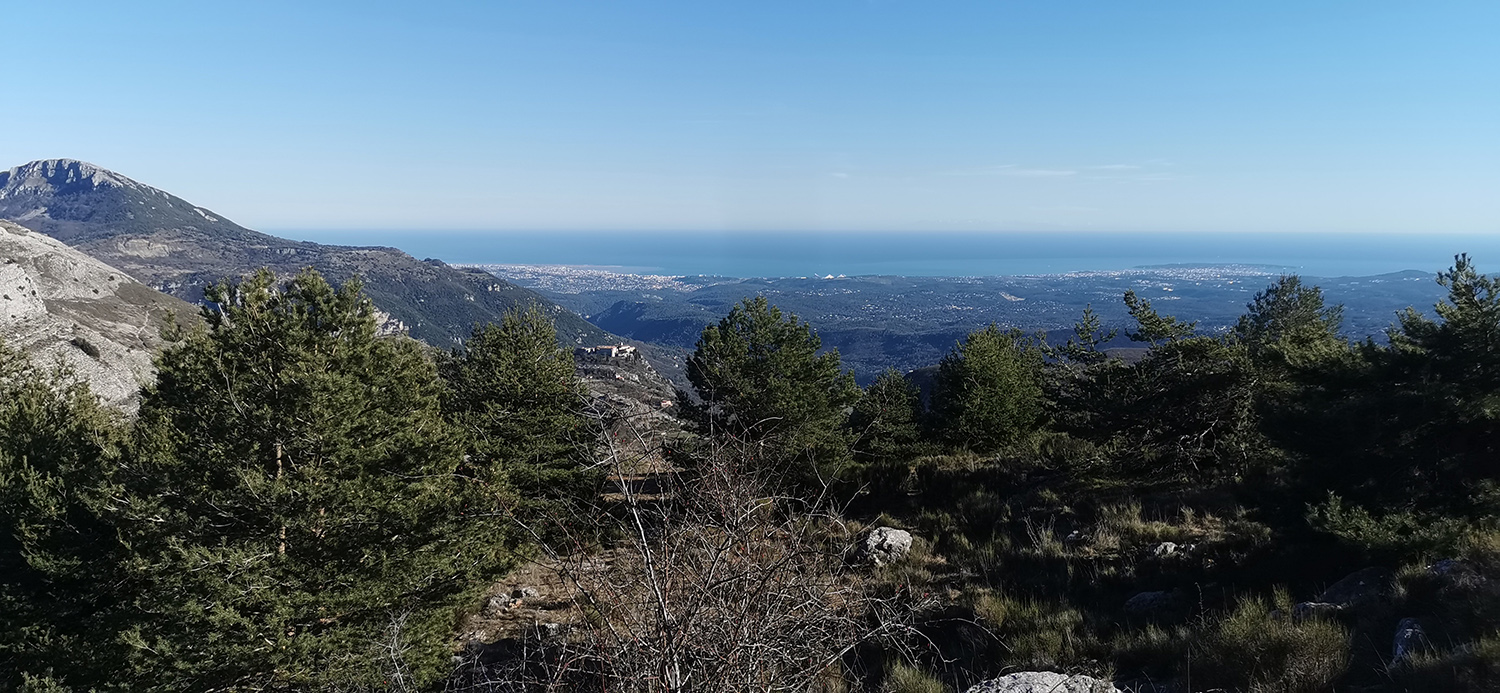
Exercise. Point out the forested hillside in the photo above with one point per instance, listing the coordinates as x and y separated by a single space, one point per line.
880 322
305 504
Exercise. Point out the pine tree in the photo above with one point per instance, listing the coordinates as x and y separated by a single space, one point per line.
762 381
513 393
59 584
1288 325
886 421
988 391
1422 420
294 491
1085 347
1152 326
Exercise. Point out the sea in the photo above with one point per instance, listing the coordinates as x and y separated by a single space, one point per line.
915 254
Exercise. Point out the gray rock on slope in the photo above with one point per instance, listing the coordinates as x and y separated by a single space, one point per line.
1043 682
1409 640
1365 587
1156 605
1302 611
63 307
886 545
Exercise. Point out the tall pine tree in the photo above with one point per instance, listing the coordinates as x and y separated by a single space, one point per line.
60 586
988 391
294 492
762 382
514 395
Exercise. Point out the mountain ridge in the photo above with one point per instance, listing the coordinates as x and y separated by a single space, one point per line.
178 248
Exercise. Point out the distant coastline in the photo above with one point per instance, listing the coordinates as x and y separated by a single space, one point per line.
783 254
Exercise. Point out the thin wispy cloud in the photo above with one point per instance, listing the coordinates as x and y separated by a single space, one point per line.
1015 171
1145 171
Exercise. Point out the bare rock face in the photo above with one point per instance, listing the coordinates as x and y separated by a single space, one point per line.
1043 682
64 308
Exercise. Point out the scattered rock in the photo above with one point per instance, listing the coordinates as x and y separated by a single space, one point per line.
1043 682
1362 588
1409 640
499 604
1302 611
549 631
1165 548
886 545
1155 605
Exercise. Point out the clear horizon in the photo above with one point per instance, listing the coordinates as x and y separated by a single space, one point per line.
791 254
1342 117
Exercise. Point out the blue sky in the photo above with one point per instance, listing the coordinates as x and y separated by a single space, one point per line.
828 115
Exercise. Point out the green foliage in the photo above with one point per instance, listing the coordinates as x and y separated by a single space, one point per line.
886 420
760 378
1414 425
1448 374
988 391
1036 634
1085 347
1469 667
40 684
1188 407
57 554
1192 402
1253 649
1391 535
904 678
513 393
1289 324
294 491
1152 326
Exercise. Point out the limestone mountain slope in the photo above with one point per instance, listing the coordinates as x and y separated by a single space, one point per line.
178 248
64 307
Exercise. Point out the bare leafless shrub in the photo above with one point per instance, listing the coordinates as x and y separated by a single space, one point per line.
715 583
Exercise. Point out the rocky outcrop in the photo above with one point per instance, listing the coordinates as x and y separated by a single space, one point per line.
884 545
1044 682
64 308
1157 605
1366 587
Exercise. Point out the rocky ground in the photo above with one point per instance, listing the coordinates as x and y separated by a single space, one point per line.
63 307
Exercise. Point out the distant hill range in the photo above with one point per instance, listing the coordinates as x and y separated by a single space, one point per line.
178 248
63 307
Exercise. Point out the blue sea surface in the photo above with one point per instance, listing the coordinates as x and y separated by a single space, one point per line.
789 254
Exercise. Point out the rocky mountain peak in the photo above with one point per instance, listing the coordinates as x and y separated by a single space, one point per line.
55 176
